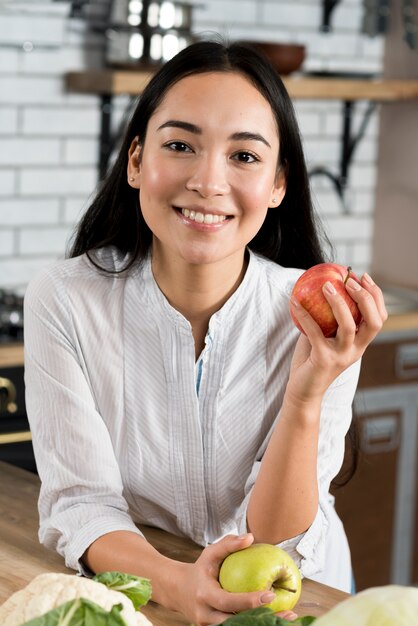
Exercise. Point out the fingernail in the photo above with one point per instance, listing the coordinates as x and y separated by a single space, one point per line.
367 279
295 302
353 284
329 288
267 597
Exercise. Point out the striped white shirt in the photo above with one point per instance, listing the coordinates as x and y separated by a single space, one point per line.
126 429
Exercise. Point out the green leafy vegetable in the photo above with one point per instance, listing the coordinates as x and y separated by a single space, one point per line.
80 612
137 589
263 616
301 621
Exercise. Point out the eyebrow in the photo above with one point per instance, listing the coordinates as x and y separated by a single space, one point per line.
192 128
196 130
243 135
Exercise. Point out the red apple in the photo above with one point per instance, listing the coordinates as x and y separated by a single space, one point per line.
308 291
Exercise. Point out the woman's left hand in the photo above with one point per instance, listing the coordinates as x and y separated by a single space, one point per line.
318 360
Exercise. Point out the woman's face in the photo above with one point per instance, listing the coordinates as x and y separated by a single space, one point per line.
207 171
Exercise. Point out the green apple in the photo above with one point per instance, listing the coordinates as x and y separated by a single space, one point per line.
263 566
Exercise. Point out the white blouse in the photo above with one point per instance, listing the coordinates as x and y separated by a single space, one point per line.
127 428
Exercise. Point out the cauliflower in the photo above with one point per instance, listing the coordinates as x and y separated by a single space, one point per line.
48 591
388 605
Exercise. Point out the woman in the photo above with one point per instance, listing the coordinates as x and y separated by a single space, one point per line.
166 383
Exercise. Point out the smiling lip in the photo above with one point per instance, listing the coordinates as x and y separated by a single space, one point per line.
201 217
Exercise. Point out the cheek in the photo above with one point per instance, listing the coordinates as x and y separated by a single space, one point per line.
157 177
152 179
257 191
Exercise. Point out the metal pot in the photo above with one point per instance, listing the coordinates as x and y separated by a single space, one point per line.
164 14
147 32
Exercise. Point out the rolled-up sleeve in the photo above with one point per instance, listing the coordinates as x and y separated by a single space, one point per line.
81 495
309 549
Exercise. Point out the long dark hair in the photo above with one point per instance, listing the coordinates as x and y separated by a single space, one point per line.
290 235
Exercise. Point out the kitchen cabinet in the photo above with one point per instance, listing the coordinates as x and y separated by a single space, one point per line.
379 505
15 436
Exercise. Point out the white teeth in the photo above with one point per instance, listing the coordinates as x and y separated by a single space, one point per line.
203 218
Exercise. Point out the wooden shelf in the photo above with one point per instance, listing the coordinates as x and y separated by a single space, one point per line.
107 82
350 90
346 89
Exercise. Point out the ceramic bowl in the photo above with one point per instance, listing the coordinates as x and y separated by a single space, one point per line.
285 57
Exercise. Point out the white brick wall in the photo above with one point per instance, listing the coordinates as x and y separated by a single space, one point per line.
49 138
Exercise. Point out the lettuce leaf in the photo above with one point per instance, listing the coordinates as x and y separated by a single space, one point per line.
263 616
79 612
137 589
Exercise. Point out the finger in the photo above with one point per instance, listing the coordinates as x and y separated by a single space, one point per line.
372 319
235 602
218 551
347 328
221 616
217 617
368 283
307 322
289 615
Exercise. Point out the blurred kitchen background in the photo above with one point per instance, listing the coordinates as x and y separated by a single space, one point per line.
53 129
49 136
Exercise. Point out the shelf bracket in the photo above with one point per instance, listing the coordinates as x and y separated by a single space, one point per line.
106 141
109 140
327 8
349 142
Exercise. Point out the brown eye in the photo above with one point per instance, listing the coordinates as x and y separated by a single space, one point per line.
177 146
245 157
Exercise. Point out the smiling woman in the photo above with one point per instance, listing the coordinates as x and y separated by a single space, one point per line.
206 181
166 383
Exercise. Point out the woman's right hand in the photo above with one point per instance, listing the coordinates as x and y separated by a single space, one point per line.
199 595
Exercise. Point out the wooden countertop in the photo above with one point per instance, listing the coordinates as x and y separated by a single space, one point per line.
400 323
11 354
132 82
22 557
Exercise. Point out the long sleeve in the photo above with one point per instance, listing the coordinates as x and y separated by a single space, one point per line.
123 436
311 549
81 493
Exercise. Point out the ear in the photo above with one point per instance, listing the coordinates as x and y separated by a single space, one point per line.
134 164
278 190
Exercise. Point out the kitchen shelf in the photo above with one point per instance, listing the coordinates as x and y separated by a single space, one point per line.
131 82
348 88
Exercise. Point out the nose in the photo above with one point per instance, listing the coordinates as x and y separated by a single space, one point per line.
209 176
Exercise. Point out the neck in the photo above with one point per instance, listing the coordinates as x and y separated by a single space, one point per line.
197 291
